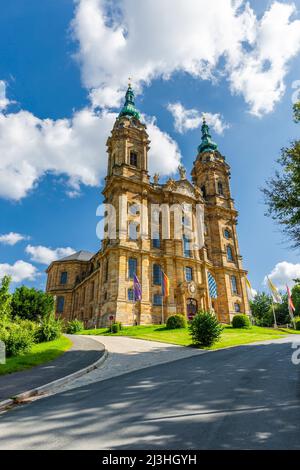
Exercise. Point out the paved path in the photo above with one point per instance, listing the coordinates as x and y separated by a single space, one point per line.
127 355
85 351
241 398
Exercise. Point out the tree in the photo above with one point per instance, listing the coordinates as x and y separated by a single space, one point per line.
31 304
296 110
296 296
5 298
261 307
282 191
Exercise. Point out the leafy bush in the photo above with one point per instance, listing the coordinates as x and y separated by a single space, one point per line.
5 298
297 323
18 339
205 329
176 321
49 330
241 321
74 326
31 304
116 327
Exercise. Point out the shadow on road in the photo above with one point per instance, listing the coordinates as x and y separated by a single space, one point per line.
242 398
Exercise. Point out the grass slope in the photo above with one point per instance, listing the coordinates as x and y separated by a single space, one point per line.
230 336
39 354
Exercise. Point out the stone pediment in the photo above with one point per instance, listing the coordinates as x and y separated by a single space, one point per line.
183 187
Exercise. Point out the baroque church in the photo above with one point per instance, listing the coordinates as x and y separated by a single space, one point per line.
98 288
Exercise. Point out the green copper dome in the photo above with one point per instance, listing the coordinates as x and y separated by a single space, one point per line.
129 108
207 144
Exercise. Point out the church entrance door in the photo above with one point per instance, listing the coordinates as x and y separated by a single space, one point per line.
192 308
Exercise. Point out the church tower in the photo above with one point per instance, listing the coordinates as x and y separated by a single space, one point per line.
211 173
126 189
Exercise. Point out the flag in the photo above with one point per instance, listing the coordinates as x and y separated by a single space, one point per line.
137 288
212 286
274 291
165 284
249 289
290 303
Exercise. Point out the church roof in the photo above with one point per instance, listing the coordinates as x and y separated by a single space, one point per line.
79 256
129 109
207 144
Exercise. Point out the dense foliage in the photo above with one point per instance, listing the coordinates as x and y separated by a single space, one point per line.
26 317
205 329
116 327
74 326
5 298
282 191
176 321
31 304
297 323
49 329
17 337
241 321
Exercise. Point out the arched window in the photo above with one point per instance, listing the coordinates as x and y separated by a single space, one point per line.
186 247
203 189
227 234
229 253
64 277
60 304
234 286
105 271
156 275
237 307
156 240
133 159
130 293
220 188
133 230
132 267
188 274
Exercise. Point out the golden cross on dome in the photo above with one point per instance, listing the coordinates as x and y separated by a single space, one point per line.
129 81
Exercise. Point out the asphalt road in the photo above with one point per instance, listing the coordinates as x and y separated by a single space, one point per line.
84 352
241 398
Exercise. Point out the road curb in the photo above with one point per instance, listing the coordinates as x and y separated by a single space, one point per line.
55 383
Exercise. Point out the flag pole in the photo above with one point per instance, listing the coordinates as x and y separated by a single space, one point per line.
275 321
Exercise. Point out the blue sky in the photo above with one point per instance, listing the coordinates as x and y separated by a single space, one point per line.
61 62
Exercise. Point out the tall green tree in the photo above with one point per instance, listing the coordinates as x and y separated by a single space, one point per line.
282 191
261 307
31 304
5 298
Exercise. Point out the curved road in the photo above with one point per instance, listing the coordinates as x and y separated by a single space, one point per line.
241 398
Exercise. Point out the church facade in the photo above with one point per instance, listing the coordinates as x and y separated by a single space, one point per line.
145 236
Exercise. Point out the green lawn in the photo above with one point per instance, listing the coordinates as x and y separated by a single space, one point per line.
40 353
230 336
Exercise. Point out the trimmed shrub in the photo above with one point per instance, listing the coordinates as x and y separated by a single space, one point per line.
74 326
176 321
49 330
297 323
205 329
241 321
116 327
18 340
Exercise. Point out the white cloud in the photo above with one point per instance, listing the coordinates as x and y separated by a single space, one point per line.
20 271
150 39
4 102
43 255
188 119
164 154
283 274
73 147
12 238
